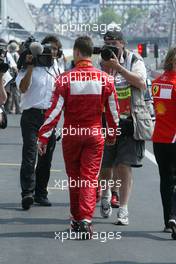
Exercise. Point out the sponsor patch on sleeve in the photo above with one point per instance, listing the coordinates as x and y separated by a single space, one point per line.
163 91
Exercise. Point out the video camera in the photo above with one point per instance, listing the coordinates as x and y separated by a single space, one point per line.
42 54
107 52
3 66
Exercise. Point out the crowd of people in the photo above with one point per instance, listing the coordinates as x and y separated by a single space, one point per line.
9 52
92 99
155 21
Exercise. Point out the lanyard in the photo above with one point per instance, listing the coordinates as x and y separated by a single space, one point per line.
54 71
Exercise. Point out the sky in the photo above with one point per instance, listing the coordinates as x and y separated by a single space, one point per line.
37 3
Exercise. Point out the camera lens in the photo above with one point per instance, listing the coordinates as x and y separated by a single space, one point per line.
106 54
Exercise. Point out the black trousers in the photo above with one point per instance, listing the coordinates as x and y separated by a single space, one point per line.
32 179
165 155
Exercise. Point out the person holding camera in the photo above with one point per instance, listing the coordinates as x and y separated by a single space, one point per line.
36 80
130 74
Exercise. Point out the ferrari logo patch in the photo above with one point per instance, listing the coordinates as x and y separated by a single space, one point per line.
155 89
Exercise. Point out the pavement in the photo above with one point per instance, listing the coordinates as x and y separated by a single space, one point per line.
38 236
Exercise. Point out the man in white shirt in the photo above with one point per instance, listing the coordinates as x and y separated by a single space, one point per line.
36 84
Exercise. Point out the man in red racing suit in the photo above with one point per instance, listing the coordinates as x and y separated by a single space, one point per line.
82 92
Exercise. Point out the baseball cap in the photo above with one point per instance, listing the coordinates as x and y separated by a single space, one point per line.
114 35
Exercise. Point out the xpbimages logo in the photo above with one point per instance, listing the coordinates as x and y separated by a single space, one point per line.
100 236
84 76
86 131
86 28
80 183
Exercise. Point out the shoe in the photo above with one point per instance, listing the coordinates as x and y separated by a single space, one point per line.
98 194
27 201
75 225
42 201
122 217
172 225
115 200
167 229
105 208
86 230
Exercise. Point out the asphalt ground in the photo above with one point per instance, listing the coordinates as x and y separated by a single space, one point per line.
32 236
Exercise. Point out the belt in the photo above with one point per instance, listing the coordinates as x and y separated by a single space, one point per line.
42 111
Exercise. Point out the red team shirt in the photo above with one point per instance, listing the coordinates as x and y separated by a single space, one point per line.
82 92
164 94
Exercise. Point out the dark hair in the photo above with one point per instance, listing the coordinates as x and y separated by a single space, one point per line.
170 58
52 38
114 34
85 45
12 41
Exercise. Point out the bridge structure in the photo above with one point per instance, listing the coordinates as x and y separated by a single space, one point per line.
80 11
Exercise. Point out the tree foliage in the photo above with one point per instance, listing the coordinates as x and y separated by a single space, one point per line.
108 16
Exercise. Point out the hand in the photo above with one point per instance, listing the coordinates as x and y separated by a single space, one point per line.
15 69
42 148
112 63
29 59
